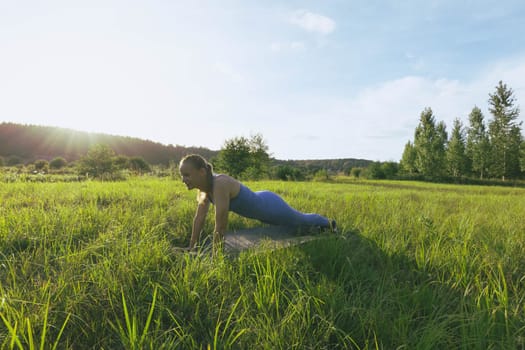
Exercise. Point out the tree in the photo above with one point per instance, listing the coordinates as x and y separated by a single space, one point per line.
522 156
260 158
57 163
243 157
441 147
98 162
456 156
41 165
356 172
408 160
321 175
346 168
518 145
234 156
390 169
121 162
1 161
375 171
478 145
429 145
14 160
288 173
139 165
505 133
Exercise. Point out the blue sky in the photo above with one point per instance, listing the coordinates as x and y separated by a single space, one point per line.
318 79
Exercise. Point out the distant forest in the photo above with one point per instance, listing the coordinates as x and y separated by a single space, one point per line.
343 165
30 143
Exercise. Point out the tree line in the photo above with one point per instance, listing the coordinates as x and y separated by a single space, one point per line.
22 144
100 162
47 150
40 145
248 158
484 149
493 148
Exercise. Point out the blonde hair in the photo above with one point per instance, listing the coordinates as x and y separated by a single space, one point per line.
198 162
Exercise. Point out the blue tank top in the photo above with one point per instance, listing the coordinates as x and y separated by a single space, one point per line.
247 203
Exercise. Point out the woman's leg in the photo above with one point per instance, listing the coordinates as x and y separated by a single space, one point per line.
274 210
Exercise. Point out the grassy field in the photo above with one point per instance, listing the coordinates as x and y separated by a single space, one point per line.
417 266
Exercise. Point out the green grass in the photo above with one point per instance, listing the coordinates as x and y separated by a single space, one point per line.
420 266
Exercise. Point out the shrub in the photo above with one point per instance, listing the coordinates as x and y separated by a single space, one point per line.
356 172
14 160
98 162
41 165
57 163
139 165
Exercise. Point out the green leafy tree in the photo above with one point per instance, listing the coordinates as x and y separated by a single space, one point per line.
322 175
14 160
121 162
375 171
408 160
478 144
356 172
505 133
244 158
522 156
429 144
390 169
139 165
260 159
347 168
41 165
234 156
517 145
1 161
456 155
441 146
57 163
98 162
288 173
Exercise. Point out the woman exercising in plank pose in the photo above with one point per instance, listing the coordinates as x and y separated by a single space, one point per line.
228 194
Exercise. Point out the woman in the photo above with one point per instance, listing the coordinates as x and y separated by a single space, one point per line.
228 194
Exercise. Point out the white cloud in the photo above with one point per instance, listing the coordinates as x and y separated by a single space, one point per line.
297 45
228 71
276 46
288 46
312 22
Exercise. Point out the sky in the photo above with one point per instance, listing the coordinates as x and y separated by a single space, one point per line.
318 79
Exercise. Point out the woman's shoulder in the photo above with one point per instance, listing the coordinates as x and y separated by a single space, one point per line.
227 183
224 179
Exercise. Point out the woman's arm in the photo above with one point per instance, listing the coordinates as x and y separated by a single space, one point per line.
221 198
198 221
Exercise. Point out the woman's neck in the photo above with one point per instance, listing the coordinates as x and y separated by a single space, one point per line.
208 185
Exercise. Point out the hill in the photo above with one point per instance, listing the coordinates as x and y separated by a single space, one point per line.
31 142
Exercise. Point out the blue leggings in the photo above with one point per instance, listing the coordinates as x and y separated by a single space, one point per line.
269 208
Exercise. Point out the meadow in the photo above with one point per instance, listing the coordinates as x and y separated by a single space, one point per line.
91 265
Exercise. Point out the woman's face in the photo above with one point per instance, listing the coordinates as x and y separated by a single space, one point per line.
191 176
